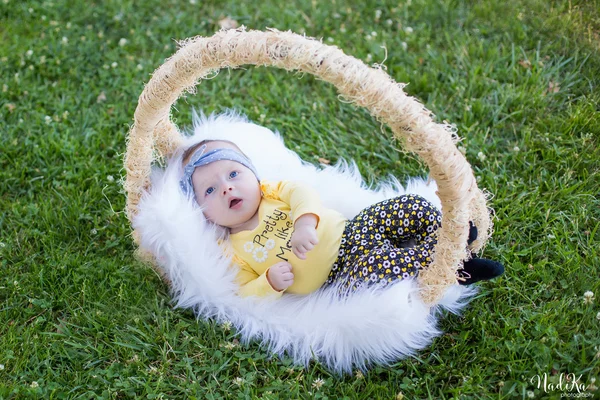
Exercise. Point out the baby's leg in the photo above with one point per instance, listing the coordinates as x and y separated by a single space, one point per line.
399 219
385 264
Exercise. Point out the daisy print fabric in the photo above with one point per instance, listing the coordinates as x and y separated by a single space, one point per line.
370 252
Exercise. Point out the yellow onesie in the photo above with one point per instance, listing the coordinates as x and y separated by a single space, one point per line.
269 243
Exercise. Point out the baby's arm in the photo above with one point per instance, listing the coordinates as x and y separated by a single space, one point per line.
253 284
306 206
304 238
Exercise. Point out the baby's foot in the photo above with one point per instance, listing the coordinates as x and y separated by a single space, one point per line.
479 269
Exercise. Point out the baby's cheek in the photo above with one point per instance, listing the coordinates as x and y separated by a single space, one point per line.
206 210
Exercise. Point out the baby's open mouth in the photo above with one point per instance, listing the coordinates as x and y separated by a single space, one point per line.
234 202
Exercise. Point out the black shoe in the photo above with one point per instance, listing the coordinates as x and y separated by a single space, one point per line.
479 269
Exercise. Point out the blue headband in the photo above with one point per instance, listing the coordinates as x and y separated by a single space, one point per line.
199 159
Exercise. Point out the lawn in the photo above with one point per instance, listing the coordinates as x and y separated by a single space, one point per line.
81 317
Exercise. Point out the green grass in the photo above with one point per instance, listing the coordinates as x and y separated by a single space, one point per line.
81 318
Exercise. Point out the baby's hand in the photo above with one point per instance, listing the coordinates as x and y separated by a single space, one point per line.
304 238
280 276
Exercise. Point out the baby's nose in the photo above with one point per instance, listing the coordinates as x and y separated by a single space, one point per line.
227 189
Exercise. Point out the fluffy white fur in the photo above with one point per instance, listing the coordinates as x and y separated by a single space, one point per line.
372 326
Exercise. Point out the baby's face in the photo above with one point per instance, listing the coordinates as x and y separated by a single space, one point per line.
228 192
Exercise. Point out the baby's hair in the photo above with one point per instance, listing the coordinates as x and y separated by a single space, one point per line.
187 154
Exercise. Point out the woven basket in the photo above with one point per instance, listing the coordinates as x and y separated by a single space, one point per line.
154 134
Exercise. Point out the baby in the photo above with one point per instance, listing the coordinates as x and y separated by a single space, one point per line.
283 238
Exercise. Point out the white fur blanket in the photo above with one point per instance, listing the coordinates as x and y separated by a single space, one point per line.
373 326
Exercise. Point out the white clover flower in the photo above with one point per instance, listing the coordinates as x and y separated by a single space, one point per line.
114 64
42 59
30 10
193 2
389 22
65 40
34 384
530 394
598 316
48 119
65 115
139 67
377 14
481 156
374 34
230 345
238 381
330 39
29 53
318 383
588 297
110 178
226 326
404 45
516 149
68 26
122 42
408 30
94 231
2 365
359 374
4 88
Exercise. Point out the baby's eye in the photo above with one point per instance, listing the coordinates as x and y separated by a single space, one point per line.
210 190
233 174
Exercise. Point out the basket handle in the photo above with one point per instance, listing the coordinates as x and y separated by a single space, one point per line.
371 88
